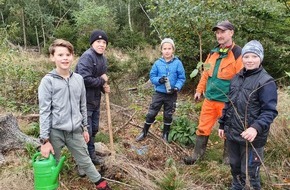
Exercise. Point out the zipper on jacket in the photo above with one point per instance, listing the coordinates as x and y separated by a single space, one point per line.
69 95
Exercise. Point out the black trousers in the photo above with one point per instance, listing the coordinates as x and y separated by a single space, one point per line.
168 101
237 157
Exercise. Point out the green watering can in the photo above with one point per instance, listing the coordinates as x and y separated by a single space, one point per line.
46 172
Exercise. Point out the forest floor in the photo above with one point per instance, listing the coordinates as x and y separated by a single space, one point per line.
151 164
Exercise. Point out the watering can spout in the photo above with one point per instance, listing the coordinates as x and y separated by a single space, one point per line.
58 168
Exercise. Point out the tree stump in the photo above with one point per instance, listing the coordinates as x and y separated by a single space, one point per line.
11 137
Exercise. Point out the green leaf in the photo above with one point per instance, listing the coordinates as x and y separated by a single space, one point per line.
199 65
194 73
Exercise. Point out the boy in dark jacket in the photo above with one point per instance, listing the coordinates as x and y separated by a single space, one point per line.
92 66
63 112
168 76
247 116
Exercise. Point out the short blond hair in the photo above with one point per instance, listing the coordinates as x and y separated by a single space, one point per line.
61 43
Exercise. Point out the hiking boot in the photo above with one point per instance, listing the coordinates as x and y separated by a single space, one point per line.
102 185
81 171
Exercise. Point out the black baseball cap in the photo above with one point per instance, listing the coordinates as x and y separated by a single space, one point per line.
224 25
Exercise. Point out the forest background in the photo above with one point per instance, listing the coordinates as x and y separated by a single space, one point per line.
135 29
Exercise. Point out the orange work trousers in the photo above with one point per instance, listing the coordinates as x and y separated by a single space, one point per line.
211 111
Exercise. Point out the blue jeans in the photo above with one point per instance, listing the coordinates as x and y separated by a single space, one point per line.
237 156
93 121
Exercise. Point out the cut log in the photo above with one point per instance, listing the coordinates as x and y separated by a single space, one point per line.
11 137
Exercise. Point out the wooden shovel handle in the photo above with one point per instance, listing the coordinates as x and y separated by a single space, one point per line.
109 121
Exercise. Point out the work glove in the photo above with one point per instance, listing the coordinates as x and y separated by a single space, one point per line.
173 90
162 80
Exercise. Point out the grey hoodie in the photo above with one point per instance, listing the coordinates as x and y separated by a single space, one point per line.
62 103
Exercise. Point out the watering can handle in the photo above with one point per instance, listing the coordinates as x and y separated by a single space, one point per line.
36 155
39 154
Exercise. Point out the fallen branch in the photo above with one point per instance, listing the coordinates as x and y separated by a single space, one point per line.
114 181
280 185
126 122
166 144
63 185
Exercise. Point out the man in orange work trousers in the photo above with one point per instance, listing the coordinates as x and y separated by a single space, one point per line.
225 61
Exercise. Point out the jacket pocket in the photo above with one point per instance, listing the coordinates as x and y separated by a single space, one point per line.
227 71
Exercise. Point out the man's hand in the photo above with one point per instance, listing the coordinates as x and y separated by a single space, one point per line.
197 96
249 134
46 149
86 136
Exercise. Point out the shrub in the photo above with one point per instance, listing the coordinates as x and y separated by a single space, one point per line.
183 131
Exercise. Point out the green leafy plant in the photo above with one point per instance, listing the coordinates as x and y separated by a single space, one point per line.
183 131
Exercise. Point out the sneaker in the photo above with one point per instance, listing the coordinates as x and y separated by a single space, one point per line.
103 185
81 172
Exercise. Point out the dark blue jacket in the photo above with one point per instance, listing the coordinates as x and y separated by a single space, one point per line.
91 66
253 101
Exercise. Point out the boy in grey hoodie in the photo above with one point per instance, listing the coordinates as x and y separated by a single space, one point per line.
63 112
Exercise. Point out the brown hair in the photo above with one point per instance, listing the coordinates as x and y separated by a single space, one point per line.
62 43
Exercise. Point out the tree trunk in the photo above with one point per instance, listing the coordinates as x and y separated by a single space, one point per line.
11 137
129 16
23 28
37 40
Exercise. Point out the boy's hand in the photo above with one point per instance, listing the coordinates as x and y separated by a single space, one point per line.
105 77
107 88
46 149
86 136
249 134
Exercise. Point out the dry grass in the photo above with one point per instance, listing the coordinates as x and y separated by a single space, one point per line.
16 173
137 172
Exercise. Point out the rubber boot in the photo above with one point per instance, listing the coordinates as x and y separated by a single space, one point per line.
226 159
199 150
144 132
166 129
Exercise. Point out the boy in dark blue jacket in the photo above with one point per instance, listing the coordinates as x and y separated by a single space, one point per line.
246 118
168 76
92 66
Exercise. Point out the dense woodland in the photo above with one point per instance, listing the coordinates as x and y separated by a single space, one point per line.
135 29
136 24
